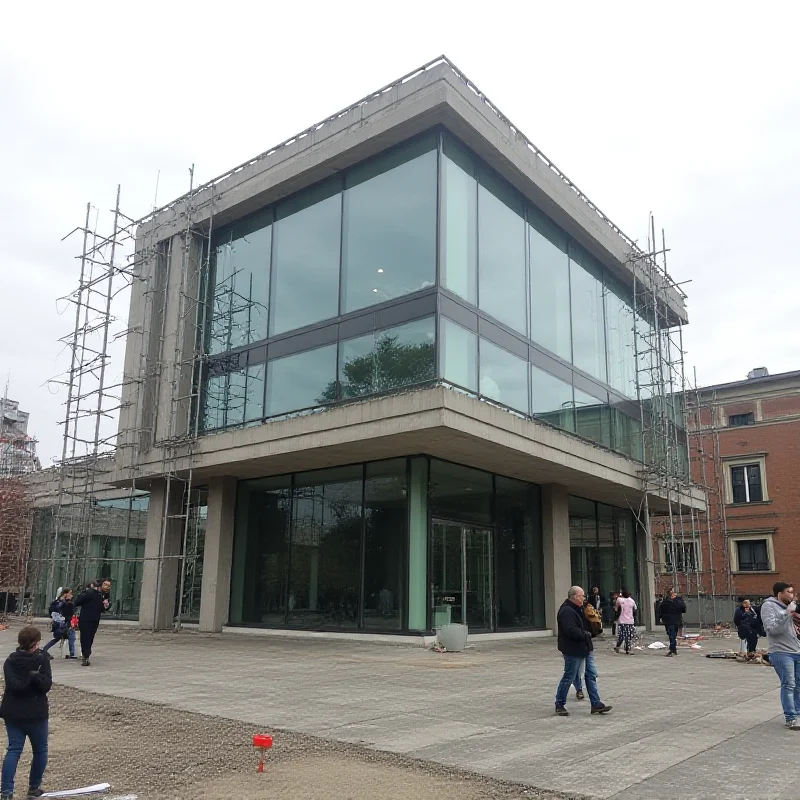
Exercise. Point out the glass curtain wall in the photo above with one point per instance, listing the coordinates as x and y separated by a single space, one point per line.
348 548
603 550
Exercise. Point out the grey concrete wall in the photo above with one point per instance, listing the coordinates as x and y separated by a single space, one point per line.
644 555
218 554
161 548
555 547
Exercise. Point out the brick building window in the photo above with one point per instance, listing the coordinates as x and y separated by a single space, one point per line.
735 420
753 555
746 483
752 551
685 557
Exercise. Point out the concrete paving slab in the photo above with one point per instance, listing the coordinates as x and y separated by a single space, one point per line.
684 727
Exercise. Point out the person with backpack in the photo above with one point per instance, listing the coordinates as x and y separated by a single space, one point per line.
24 709
626 627
93 605
62 610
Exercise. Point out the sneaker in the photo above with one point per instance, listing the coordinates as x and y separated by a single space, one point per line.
616 649
601 709
34 792
669 654
71 658
85 663
579 695
794 725
562 711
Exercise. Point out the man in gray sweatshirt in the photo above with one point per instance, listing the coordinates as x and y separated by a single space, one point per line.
784 648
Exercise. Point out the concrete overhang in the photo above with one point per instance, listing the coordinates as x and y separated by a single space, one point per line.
437 94
438 422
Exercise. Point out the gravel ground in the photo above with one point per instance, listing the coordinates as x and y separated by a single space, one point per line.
158 753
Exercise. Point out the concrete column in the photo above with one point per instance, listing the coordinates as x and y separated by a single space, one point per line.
160 572
215 594
647 576
555 547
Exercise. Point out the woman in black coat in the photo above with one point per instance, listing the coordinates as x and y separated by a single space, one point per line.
25 710
746 621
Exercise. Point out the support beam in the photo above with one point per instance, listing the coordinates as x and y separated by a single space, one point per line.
555 546
162 548
215 593
644 558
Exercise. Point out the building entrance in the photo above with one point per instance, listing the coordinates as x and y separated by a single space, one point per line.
461 575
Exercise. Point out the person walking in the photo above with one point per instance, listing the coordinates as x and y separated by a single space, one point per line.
746 621
92 605
575 644
626 624
61 610
25 712
614 611
777 615
595 599
672 610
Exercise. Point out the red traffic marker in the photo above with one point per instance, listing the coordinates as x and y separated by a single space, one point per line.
263 741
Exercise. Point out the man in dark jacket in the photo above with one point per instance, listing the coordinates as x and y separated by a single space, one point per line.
575 644
672 610
92 605
25 711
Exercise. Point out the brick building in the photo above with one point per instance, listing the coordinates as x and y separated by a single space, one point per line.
745 446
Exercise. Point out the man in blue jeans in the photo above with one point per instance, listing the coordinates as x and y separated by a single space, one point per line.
778 616
575 644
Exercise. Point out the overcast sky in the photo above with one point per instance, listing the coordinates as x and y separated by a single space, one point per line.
688 110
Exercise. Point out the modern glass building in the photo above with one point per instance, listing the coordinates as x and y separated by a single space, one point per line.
413 384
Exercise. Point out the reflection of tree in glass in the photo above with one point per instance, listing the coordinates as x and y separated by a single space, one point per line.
387 366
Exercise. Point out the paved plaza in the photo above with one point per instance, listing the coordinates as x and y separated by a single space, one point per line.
686 727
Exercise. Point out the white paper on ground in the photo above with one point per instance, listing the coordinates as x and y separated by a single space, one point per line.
96 789
656 645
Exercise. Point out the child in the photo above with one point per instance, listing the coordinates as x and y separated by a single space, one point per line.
25 711
62 610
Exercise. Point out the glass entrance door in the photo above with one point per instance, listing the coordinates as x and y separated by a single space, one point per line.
462 575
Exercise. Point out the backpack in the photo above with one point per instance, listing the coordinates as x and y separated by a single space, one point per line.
594 619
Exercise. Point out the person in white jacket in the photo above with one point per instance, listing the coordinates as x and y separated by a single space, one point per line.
777 615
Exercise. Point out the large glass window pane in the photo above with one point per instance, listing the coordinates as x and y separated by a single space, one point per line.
386 527
388 359
588 326
520 600
459 226
583 544
501 253
302 381
390 226
254 392
549 279
214 396
239 296
592 418
459 355
325 584
261 552
620 340
552 399
628 435
460 493
504 376
305 269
